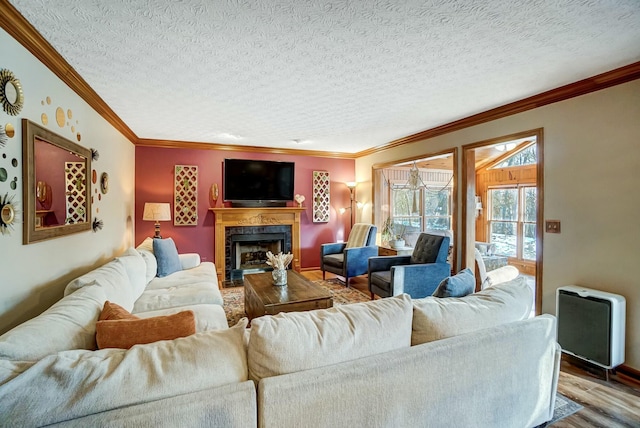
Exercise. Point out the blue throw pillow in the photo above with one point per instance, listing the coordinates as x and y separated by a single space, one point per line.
167 256
457 286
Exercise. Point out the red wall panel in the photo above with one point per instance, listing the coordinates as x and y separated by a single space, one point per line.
154 183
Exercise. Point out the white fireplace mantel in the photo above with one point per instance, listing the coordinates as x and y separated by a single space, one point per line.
232 217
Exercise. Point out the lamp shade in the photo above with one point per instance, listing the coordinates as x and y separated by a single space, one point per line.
155 211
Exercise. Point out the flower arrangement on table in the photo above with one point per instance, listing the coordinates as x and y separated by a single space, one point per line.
280 261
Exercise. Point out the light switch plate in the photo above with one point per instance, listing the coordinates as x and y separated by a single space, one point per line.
552 226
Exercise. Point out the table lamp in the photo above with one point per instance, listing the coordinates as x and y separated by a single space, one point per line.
154 211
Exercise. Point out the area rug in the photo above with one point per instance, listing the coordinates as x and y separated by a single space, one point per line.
564 407
234 298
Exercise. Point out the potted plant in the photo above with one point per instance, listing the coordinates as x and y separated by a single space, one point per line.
392 233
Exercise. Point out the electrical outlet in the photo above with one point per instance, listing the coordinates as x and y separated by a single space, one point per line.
552 226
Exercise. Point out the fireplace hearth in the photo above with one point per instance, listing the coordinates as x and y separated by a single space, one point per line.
247 246
249 252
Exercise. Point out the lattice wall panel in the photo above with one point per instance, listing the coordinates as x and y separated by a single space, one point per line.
185 195
76 197
321 194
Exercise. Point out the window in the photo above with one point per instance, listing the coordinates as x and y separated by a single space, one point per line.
526 156
421 209
512 221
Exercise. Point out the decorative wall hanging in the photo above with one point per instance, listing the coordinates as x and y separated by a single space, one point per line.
97 225
8 214
185 195
299 199
4 139
95 154
104 183
11 95
213 194
64 119
9 130
321 194
75 176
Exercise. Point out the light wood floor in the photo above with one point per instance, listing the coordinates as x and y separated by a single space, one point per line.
608 404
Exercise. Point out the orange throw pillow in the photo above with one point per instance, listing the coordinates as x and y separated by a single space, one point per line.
125 333
112 311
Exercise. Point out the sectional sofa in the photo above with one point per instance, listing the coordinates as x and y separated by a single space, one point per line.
395 362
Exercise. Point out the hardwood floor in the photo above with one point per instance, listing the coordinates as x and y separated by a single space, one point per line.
609 403
612 403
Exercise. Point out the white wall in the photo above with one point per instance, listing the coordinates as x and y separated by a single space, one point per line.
591 184
32 277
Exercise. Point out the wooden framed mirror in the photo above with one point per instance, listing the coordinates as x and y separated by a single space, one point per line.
56 184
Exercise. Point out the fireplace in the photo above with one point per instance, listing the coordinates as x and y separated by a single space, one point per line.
249 252
234 226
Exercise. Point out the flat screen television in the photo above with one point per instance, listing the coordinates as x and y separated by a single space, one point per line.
258 183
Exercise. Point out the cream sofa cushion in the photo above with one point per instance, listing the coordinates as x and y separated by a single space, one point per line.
181 295
208 316
147 244
113 279
68 324
500 275
151 264
435 319
295 341
205 272
136 269
77 383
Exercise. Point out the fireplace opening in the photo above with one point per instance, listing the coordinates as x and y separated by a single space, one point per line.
249 252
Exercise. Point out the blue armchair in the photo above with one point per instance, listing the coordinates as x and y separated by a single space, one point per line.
349 259
417 275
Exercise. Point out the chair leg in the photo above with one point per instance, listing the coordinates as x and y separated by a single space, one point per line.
372 295
346 281
323 272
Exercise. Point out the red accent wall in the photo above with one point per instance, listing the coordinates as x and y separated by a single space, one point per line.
154 183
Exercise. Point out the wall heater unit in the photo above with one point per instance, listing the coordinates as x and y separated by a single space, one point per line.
591 325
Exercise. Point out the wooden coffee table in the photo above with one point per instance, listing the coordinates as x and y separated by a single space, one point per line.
261 297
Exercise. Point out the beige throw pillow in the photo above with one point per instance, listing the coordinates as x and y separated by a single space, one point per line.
295 341
435 319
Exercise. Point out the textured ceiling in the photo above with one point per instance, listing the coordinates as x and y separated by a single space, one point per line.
340 76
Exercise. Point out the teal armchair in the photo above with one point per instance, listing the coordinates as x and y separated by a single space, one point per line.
351 258
417 275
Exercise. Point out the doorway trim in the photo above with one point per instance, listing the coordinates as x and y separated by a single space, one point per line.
468 198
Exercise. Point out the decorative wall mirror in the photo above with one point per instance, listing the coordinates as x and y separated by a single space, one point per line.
11 95
57 184
7 214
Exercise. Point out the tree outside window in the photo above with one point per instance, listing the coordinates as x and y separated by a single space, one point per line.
421 209
512 221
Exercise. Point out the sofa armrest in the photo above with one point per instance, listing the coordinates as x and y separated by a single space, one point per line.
500 275
356 260
384 263
189 260
334 248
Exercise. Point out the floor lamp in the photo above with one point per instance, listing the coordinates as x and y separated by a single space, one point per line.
352 190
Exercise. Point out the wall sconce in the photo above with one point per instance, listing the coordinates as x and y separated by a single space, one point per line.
157 212
478 206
